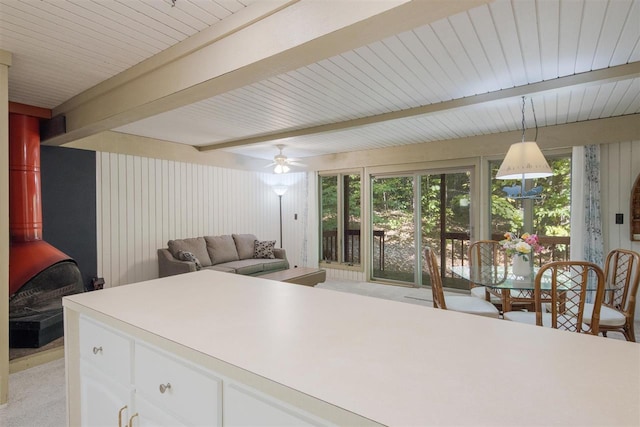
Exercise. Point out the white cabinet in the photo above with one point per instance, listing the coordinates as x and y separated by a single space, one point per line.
246 407
104 401
105 370
127 382
192 394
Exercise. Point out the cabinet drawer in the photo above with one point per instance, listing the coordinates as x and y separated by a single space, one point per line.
194 395
106 349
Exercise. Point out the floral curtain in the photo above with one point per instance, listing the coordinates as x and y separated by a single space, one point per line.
592 244
586 220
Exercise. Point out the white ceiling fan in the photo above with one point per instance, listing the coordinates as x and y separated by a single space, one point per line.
281 162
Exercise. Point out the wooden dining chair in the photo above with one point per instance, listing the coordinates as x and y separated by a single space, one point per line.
461 303
561 305
622 278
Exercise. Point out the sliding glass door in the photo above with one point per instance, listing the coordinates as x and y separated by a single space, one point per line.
393 225
445 222
411 212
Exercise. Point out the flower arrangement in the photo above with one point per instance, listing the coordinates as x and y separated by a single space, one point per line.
521 245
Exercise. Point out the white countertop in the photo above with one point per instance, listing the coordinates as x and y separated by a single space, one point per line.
392 362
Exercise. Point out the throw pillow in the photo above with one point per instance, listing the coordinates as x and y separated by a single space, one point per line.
188 256
196 245
264 249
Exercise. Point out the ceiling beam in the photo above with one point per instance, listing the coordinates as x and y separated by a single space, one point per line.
29 110
275 41
550 138
606 75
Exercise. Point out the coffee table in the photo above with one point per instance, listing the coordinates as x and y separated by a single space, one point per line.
307 276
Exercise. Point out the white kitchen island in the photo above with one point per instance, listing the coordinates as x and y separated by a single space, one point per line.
212 348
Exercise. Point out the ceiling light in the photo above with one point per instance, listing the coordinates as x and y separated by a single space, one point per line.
524 160
281 168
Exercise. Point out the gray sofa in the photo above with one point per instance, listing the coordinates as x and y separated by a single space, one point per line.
236 253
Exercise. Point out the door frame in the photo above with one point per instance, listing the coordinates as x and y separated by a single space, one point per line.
472 166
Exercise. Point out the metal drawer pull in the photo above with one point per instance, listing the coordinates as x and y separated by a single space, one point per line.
164 387
97 350
131 420
120 416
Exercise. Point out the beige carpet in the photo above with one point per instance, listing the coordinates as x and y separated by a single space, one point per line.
37 395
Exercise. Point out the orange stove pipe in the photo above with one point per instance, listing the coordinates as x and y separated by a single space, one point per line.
25 214
28 254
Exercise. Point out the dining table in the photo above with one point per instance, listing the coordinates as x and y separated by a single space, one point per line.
504 284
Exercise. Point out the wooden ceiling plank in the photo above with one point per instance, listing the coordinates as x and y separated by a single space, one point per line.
502 15
593 18
301 34
487 32
473 49
617 12
442 65
630 32
577 83
548 30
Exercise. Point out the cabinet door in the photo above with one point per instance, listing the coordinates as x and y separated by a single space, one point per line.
247 407
149 415
188 392
102 399
106 349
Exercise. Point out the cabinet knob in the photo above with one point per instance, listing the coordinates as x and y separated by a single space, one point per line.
97 350
164 387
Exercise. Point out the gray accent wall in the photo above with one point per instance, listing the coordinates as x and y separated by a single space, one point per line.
69 205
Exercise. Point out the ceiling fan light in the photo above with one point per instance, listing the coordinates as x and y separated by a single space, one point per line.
281 169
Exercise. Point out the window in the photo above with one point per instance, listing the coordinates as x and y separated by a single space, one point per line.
340 218
548 217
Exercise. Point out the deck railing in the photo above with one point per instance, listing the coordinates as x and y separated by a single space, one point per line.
455 253
351 249
556 248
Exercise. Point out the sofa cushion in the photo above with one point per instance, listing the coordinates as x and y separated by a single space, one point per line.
221 249
244 245
188 256
264 249
221 267
245 266
196 245
275 264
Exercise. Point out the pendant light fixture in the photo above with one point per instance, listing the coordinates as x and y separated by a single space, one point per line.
524 160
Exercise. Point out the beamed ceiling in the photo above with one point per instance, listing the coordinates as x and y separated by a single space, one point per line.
321 77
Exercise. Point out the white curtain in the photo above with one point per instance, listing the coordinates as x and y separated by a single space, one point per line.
586 221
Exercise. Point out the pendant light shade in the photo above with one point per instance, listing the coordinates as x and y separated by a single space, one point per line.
524 160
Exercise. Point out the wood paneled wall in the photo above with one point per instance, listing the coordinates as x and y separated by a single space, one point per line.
620 165
142 203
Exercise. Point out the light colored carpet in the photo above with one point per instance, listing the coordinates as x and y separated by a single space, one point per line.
37 395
